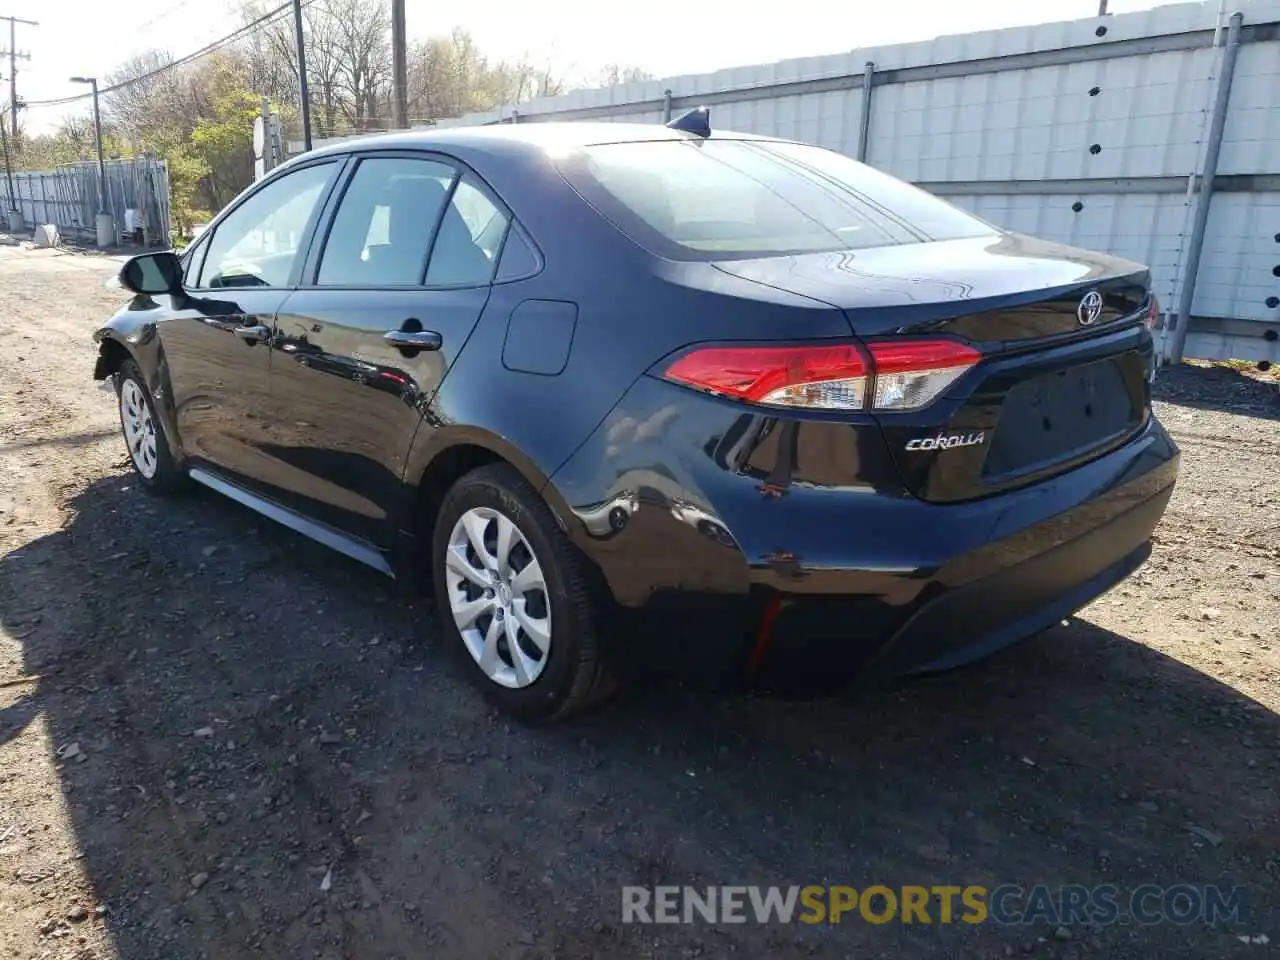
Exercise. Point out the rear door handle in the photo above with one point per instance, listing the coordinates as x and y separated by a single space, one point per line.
420 340
256 332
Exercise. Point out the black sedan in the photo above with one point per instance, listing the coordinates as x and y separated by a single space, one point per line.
633 397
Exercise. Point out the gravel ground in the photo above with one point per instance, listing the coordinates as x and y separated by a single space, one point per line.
218 740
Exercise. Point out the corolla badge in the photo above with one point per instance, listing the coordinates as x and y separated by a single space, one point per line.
1090 309
946 441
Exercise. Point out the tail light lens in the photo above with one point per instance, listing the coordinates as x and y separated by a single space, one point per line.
910 374
817 378
1153 313
897 375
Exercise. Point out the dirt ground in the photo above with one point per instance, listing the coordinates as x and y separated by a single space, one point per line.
219 740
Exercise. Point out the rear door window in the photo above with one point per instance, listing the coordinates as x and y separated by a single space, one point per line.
384 225
518 259
471 234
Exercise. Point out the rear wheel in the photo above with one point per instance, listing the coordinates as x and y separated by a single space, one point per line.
513 598
148 447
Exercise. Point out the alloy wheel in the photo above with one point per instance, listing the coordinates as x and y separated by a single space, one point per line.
139 428
498 597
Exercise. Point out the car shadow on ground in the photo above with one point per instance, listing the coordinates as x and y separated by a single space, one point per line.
279 761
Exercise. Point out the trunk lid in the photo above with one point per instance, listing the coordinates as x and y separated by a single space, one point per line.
1052 390
994 291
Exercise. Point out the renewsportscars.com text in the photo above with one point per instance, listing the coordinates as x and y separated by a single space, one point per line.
1008 904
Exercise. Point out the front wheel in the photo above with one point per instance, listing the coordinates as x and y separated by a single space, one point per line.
149 452
513 597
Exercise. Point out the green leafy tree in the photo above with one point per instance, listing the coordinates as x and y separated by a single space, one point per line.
187 174
223 134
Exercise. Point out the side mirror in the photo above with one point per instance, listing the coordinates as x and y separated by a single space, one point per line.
152 273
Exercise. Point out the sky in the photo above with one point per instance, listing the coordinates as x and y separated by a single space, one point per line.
575 37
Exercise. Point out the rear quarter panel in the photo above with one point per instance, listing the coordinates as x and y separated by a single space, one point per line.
632 310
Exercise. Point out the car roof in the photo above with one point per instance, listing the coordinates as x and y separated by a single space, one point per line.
520 138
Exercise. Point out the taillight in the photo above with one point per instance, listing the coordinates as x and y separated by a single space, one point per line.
1153 313
911 373
899 375
819 378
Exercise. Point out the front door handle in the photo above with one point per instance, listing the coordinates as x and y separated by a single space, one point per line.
256 332
417 340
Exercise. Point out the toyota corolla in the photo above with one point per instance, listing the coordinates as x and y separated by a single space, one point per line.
628 397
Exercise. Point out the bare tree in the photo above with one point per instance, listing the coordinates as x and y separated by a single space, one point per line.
445 76
199 116
450 76
271 62
275 43
152 99
615 74
362 30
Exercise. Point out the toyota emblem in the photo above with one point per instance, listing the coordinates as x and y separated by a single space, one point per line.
1090 309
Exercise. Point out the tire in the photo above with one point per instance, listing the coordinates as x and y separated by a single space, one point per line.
148 447
542 588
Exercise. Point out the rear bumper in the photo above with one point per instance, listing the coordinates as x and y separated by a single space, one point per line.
871 585
969 622
979 601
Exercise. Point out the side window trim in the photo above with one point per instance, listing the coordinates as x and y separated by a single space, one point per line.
194 256
502 245
458 174
329 209
206 238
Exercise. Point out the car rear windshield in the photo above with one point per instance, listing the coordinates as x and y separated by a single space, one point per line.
721 199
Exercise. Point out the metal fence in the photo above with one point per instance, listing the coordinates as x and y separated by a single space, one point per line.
1099 133
137 197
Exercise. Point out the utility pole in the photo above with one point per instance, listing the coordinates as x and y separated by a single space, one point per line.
399 65
14 57
303 94
8 173
104 225
97 133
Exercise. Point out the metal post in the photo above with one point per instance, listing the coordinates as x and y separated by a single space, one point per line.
1178 340
102 165
303 94
399 66
666 106
864 128
8 168
1102 8
13 76
266 156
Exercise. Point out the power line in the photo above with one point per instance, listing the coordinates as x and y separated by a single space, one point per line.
238 34
230 38
160 16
